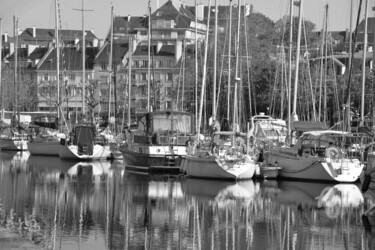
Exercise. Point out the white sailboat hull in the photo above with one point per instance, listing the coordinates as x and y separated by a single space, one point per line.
50 148
13 144
212 167
70 152
313 168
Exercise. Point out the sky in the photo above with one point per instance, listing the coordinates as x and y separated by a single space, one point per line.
41 13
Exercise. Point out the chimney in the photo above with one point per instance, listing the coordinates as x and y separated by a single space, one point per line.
199 11
158 46
76 40
34 31
178 50
92 31
128 18
5 37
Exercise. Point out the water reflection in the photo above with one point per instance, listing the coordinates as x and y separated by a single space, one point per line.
99 205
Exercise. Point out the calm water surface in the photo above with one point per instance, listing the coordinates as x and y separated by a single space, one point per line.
68 205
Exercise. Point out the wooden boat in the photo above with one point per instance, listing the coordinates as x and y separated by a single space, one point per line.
84 145
325 155
159 143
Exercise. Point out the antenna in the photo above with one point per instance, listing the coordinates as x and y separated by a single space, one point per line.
83 55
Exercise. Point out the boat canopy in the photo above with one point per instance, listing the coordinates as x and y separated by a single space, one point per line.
166 121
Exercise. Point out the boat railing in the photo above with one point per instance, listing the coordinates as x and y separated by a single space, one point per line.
156 139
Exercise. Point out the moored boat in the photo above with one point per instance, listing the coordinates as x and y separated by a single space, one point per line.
325 155
47 144
13 140
159 143
84 145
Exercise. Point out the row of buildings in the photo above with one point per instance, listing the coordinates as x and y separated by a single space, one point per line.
173 29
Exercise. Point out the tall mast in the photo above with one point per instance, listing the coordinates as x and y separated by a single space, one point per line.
110 66
290 69
196 67
57 59
1 60
363 68
294 113
325 65
149 57
15 33
229 59
204 68
83 59
129 78
237 78
83 56
215 65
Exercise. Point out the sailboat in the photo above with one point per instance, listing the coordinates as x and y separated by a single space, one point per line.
13 137
325 155
49 142
83 143
228 160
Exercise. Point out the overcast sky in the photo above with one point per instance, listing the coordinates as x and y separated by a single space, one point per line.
41 13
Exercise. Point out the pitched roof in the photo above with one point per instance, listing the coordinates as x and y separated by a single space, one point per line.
38 53
21 54
165 50
182 17
127 24
70 59
49 34
118 51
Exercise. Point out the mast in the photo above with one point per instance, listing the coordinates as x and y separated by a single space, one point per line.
237 78
229 58
196 68
15 33
83 59
1 60
110 66
289 135
294 113
215 65
364 68
57 59
83 56
149 57
325 65
129 78
204 68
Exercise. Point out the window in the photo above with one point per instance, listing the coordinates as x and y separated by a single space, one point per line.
168 91
143 77
168 105
72 77
45 77
104 66
60 77
169 77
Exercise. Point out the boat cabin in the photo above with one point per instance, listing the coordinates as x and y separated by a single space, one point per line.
164 127
317 143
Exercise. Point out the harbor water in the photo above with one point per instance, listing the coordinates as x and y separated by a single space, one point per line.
59 204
